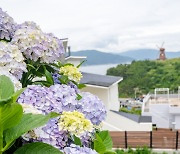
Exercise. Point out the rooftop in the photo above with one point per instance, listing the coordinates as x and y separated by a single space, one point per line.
136 118
99 80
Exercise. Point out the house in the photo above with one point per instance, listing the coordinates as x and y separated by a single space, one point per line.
164 108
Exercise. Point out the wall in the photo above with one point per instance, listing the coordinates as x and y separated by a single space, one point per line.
114 97
125 124
177 121
160 115
76 62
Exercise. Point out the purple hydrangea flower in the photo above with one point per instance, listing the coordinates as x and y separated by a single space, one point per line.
56 98
75 149
7 26
92 107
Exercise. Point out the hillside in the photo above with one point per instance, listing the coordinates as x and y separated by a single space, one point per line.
147 75
95 57
151 54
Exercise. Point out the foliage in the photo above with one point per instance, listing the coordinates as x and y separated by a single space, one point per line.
13 123
147 75
132 111
143 150
103 143
39 147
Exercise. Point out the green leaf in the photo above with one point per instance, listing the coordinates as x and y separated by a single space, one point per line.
106 138
109 152
77 140
49 77
30 67
80 86
10 115
6 87
81 63
64 79
103 142
79 97
17 93
99 146
28 122
43 83
38 148
68 64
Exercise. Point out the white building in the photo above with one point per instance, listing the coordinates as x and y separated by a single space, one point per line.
164 109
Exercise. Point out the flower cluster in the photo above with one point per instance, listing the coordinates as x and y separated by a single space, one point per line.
7 26
72 72
75 123
92 107
11 59
36 45
49 134
57 98
75 149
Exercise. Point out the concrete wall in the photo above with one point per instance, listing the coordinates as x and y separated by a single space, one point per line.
177 121
114 97
160 115
124 124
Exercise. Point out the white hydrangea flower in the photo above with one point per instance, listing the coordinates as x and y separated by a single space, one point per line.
12 60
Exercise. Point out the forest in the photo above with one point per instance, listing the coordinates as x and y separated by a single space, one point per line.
141 77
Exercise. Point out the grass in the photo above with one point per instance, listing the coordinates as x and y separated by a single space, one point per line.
143 150
132 111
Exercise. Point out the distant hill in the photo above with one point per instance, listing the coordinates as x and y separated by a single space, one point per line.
95 57
147 75
143 54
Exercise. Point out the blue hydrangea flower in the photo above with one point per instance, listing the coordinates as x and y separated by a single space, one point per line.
92 107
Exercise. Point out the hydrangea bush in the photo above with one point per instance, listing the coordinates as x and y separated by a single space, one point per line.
31 59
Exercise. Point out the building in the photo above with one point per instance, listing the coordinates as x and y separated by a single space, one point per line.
164 108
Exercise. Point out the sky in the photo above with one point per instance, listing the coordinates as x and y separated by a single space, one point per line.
105 25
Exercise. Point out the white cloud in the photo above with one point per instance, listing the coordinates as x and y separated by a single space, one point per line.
107 25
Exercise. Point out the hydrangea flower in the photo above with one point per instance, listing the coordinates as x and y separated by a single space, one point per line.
17 84
36 45
75 149
75 123
92 107
49 134
57 98
7 26
72 73
12 60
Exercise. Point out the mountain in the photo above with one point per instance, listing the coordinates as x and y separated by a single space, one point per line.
95 57
151 54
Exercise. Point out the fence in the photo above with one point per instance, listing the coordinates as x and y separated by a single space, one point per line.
162 139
